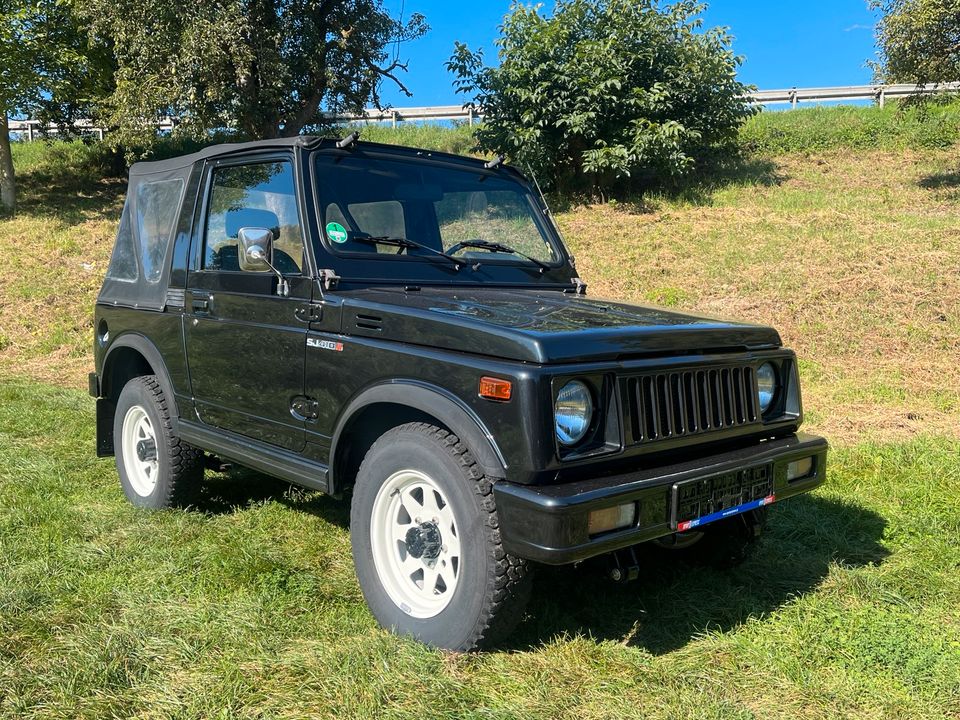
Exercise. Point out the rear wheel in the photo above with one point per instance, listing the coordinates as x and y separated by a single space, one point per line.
426 542
157 470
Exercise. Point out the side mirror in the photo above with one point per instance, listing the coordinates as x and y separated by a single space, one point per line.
256 247
255 253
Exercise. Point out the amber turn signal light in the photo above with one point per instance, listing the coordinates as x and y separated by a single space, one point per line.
495 388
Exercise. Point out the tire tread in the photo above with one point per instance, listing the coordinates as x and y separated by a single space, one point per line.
186 461
510 578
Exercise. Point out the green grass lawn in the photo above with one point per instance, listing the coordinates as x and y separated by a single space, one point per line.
246 605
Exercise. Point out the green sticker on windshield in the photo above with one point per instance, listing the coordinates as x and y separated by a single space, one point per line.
336 232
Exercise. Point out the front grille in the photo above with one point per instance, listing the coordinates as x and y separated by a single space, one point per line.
695 401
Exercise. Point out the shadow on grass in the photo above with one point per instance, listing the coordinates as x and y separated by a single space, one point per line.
240 488
71 182
673 602
70 198
941 181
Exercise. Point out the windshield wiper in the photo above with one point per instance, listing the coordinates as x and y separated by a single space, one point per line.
405 244
500 247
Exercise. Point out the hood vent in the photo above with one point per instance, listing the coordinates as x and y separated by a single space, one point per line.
369 322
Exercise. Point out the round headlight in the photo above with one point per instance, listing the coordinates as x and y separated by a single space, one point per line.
573 411
767 385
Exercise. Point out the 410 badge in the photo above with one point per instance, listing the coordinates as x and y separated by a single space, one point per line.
325 344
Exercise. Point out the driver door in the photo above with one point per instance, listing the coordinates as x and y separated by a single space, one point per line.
245 346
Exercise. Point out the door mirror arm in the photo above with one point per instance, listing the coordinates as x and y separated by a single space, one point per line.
257 253
256 245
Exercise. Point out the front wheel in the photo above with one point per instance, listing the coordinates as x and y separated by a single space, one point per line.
426 542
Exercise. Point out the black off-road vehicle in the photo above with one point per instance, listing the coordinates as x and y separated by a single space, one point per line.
407 327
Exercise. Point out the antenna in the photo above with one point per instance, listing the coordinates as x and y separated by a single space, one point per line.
549 212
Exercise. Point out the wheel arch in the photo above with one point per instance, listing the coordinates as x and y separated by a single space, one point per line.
385 406
130 355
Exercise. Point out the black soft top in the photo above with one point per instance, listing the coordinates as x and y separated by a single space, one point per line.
223 149
139 272
305 141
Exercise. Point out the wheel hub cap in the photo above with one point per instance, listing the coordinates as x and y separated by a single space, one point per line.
424 541
138 446
146 450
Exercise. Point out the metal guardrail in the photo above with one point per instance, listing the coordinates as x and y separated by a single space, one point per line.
878 93
793 96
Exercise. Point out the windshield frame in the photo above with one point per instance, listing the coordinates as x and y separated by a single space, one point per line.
428 269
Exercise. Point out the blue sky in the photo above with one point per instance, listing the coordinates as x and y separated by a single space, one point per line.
785 44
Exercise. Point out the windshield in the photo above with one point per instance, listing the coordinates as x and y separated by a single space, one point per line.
372 205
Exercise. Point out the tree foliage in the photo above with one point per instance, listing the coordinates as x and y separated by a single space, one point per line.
44 53
256 68
619 90
918 41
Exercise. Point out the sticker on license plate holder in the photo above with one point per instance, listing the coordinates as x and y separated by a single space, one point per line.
698 502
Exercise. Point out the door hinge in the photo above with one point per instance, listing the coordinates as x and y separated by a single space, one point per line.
308 313
305 408
579 287
329 279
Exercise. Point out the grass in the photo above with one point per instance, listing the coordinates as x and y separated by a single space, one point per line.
246 605
894 127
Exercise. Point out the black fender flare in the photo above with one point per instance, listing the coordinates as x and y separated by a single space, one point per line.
446 407
139 343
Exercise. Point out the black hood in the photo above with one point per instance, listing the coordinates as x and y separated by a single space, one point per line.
539 326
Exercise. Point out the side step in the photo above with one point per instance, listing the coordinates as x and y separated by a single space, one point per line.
268 459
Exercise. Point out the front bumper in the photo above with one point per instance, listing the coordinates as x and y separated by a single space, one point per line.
548 523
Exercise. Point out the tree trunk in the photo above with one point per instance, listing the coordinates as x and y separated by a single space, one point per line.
8 185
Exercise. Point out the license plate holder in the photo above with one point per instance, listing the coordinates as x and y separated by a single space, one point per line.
701 501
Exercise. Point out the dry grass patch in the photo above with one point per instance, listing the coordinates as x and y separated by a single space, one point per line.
852 257
58 247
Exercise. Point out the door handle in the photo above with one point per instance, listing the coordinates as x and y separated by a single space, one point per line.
201 302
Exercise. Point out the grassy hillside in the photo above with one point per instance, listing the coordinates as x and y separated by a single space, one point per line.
246 605
894 127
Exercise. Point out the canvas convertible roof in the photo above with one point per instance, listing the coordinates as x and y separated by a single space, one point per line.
139 271
215 151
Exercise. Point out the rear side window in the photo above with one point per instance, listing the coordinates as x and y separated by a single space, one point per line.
123 262
158 204
260 195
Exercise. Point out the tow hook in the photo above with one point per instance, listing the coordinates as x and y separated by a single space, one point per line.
624 566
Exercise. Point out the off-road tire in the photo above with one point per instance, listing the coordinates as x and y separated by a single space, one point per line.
180 465
493 587
725 543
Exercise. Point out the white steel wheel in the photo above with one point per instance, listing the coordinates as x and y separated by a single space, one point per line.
415 543
139 450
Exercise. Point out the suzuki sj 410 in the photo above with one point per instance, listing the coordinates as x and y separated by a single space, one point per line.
406 328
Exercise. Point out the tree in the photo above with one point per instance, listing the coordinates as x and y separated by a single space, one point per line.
42 45
253 68
918 41
619 90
